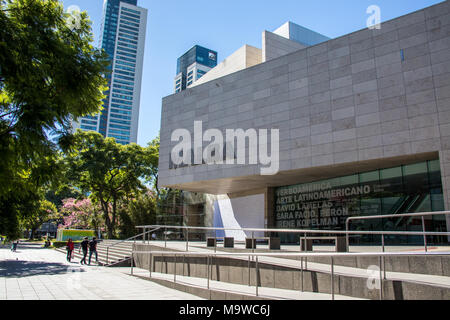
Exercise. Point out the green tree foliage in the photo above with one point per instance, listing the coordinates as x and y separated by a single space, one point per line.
15 206
57 195
153 163
49 73
138 211
108 171
43 212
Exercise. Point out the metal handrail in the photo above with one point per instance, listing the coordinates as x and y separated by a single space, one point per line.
122 241
420 214
306 232
380 255
336 232
302 230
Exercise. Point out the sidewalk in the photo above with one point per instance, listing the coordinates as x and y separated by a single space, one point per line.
34 273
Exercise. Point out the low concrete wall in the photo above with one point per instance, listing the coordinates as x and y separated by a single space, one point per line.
432 265
239 271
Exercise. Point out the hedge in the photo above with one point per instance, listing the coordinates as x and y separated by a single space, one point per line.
62 244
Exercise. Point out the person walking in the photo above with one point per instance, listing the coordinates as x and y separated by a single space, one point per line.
14 246
93 249
84 245
70 247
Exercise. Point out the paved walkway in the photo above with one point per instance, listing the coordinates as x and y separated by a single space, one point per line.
34 273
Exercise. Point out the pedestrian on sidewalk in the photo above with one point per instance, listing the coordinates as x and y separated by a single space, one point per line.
84 245
93 249
70 247
14 246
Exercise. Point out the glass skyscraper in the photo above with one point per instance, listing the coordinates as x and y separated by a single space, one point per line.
123 38
192 65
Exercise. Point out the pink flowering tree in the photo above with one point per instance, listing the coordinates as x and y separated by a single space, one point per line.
81 214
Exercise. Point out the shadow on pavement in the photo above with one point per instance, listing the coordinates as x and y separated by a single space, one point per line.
17 268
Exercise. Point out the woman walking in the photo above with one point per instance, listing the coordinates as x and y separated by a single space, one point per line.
70 246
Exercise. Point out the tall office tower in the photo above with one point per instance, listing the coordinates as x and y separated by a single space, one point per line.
192 65
123 38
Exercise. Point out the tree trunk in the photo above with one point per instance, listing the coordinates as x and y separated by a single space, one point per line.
33 231
109 226
114 211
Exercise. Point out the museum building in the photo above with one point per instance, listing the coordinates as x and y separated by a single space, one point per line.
363 122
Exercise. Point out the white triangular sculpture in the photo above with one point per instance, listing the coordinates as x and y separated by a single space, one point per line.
224 218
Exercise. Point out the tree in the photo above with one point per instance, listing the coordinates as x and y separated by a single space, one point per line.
15 206
42 213
138 211
81 214
49 74
152 151
108 171
58 195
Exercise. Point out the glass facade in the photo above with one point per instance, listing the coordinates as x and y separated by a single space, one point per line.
327 204
109 36
120 35
197 54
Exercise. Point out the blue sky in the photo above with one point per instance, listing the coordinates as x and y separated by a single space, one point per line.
174 26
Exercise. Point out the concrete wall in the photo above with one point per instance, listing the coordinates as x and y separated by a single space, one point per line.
300 34
245 57
244 272
274 46
367 100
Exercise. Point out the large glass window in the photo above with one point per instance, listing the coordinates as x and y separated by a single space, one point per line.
327 204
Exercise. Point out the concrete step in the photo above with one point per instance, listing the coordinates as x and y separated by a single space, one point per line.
113 257
117 252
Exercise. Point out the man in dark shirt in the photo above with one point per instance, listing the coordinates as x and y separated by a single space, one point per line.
93 249
84 245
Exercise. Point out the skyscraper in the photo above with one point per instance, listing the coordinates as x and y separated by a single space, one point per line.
123 38
192 65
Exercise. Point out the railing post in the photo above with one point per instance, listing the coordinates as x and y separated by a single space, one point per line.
165 237
131 262
163 261
107 255
207 270
424 235
256 275
301 259
174 268
381 280
332 278
249 271
253 242
187 240
306 245
143 236
150 264
347 236
384 258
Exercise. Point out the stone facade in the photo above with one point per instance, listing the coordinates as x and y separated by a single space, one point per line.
275 46
368 100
